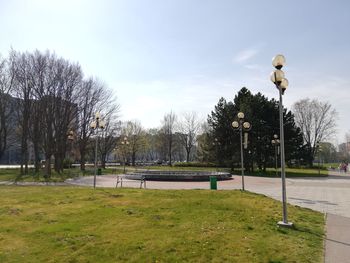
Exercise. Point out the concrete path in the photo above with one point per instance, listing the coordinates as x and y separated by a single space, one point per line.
337 246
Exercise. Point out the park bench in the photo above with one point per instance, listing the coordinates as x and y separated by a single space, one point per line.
120 181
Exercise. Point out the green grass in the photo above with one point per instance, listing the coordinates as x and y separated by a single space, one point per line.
329 165
13 174
68 224
290 172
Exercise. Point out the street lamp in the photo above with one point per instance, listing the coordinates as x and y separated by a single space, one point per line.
70 138
95 125
242 125
276 143
281 83
124 143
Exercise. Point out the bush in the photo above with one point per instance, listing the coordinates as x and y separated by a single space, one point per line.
195 164
67 163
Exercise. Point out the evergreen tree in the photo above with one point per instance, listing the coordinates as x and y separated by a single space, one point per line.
263 114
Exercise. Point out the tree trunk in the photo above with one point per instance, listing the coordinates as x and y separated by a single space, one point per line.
47 174
24 155
170 156
103 163
133 157
187 155
82 159
36 158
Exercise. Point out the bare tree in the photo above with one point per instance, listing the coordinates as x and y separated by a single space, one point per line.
6 105
168 130
91 92
70 77
39 63
55 83
24 92
108 138
152 145
52 98
317 121
189 127
135 133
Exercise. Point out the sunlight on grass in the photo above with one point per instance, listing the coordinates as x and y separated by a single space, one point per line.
68 224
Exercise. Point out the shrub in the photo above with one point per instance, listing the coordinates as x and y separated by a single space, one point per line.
195 164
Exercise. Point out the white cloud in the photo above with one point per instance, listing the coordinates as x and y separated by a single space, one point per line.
245 55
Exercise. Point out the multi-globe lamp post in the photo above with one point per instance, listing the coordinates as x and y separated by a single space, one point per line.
96 125
281 83
70 138
125 144
242 125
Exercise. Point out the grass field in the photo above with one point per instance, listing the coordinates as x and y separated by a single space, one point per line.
68 224
13 174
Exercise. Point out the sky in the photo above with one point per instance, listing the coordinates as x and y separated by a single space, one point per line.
184 55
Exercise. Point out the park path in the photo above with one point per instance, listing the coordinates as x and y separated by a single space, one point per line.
337 244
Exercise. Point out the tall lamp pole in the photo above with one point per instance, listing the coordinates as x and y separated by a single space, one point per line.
124 143
95 125
242 125
281 83
276 142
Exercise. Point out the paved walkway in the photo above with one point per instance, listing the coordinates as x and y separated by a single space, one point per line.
337 245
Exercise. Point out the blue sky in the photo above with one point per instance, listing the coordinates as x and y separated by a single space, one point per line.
162 55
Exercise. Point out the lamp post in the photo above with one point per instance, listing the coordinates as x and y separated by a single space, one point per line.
70 138
281 83
276 143
95 125
242 125
124 143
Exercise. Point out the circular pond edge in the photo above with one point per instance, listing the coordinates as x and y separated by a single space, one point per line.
157 175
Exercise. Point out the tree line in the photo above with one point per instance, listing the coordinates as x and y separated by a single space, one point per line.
44 98
214 141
